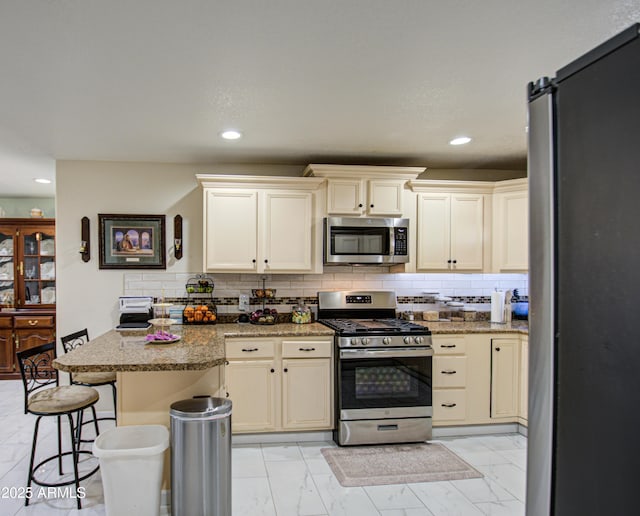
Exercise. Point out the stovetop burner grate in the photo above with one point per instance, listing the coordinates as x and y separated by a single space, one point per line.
374 326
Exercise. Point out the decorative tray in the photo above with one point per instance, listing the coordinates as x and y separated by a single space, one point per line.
162 337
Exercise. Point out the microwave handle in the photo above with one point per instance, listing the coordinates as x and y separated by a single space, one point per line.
392 241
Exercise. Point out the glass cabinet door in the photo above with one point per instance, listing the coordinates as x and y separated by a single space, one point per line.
38 267
7 267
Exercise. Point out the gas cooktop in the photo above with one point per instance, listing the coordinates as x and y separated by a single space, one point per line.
347 327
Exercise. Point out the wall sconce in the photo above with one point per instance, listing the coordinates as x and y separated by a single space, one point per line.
177 237
85 243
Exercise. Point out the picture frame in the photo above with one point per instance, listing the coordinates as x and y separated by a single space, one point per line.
131 241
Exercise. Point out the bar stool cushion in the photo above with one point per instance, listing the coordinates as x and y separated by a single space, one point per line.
62 399
94 378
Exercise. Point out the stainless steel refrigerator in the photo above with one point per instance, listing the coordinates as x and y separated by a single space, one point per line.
584 291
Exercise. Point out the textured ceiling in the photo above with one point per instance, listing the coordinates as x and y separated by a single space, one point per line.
355 81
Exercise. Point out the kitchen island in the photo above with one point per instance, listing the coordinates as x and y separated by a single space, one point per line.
150 377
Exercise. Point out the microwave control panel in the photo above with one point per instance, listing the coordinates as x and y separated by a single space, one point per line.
400 237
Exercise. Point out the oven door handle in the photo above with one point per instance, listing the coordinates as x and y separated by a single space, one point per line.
350 354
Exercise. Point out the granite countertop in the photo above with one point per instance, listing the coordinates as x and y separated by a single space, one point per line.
446 327
200 347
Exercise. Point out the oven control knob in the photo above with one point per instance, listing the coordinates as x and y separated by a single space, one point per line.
355 341
365 341
419 340
386 340
408 340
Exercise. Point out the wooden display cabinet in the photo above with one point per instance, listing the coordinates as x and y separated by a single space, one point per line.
27 263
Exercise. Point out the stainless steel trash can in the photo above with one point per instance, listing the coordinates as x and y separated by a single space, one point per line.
201 457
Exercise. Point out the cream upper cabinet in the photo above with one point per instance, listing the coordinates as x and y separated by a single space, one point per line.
505 369
511 226
231 234
524 378
261 224
450 231
365 197
286 239
356 190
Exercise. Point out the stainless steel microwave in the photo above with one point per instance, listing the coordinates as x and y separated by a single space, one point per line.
365 240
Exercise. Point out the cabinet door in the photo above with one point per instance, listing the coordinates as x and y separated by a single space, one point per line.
251 385
8 251
524 378
6 346
230 230
467 233
434 212
512 231
345 197
385 197
505 367
306 393
37 268
286 231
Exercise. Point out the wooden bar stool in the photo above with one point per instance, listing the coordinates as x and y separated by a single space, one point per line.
44 397
75 340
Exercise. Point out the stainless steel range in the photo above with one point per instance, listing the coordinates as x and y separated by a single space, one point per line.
383 369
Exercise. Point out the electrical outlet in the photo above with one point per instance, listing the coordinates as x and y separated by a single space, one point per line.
243 305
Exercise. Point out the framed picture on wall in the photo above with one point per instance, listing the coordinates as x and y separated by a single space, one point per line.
131 241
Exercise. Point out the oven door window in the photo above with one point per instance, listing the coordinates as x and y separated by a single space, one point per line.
360 241
385 382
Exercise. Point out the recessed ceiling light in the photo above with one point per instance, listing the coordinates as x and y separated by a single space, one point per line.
231 134
460 141
42 180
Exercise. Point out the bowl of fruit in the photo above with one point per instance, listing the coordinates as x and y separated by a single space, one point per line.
264 293
264 316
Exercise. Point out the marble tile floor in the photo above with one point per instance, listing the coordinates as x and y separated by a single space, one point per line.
289 478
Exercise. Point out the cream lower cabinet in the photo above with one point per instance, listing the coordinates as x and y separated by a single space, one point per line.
280 384
523 411
505 385
461 380
251 383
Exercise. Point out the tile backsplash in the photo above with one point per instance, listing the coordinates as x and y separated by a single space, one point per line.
414 290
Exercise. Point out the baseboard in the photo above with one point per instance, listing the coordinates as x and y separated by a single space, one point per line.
165 498
281 437
461 431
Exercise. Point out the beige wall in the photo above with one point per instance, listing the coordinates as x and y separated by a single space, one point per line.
88 296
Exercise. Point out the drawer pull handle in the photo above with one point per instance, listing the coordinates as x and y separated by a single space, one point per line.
31 322
249 350
448 372
386 428
306 349
449 405
448 346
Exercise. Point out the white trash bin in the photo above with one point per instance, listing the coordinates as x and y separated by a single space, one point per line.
131 462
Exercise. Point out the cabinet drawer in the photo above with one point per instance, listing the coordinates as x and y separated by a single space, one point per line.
5 322
306 348
36 321
448 345
449 404
250 349
449 371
